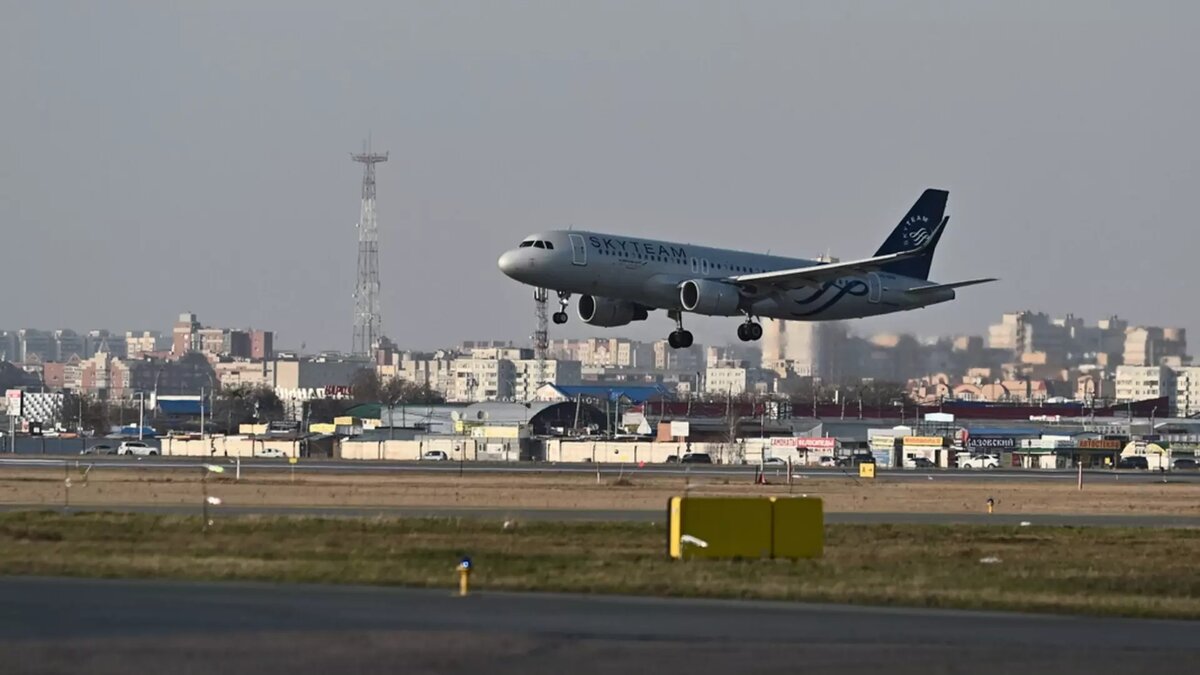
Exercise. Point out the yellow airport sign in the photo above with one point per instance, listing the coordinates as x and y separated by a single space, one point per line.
753 527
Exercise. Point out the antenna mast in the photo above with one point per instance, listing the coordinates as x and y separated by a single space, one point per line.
368 323
541 336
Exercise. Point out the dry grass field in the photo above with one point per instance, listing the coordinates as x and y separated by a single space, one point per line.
1101 495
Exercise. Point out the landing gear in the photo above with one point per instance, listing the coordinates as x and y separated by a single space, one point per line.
679 338
560 317
749 331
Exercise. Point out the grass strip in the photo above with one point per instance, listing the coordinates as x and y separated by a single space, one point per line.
1136 572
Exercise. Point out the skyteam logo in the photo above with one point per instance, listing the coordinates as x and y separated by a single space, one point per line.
916 231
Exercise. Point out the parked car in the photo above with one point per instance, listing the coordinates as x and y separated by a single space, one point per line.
696 458
136 448
270 453
99 449
979 462
827 460
1184 464
923 463
774 461
435 456
672 459
1133 462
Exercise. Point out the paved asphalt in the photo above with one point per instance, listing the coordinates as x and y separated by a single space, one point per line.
103 626
375 467
641 516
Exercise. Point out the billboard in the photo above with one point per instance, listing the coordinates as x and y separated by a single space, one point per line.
14 397
923 441
810 443
992 442
1100 444
680 429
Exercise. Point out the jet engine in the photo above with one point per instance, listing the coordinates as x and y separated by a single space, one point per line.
704 296
608 313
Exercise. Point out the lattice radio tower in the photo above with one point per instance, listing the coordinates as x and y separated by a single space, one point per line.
368 324
541 337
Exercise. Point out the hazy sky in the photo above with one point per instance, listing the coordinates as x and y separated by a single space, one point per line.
160 157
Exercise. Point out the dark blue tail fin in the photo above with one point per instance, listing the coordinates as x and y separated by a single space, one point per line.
919 226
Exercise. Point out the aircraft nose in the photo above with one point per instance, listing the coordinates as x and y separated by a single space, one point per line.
508 262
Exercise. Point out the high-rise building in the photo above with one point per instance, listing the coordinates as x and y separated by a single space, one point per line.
526 382
9 346
35 346
183 335
68 343
773 344
262 345
142 343
688 359
1153 345
1187 391
1135 383
805 348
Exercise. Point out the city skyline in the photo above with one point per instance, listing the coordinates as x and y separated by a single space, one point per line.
213 176
851 328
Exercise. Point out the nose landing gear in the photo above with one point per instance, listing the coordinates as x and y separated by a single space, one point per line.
560 317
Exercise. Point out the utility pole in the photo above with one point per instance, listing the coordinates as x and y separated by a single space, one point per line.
368 326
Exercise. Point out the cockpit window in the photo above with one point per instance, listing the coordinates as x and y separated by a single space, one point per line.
549 246
526 244
539 244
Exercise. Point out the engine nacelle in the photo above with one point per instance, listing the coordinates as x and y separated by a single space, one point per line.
608 313
714 298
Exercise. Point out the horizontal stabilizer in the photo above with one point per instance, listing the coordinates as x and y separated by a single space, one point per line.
957 284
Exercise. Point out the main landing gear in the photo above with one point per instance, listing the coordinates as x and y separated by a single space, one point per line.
680 338
560 317
749 331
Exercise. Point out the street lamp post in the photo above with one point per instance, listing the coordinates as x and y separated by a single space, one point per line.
141 414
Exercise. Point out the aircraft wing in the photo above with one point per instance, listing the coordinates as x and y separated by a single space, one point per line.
957 284
817 274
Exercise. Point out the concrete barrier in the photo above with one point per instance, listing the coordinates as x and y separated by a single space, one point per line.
226 446
636 452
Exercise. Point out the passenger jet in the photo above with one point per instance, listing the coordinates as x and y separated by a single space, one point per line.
621 279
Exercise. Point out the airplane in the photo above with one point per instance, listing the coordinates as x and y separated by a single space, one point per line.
621 279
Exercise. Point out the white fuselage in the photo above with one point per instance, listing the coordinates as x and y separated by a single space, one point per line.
650 273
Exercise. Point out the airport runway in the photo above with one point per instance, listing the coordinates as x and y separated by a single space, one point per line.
104 626
638 516
375 467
